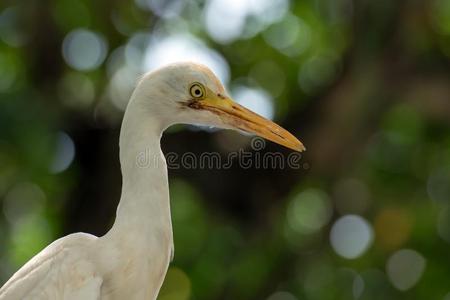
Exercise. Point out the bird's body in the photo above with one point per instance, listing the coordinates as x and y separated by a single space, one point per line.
59 263
131 260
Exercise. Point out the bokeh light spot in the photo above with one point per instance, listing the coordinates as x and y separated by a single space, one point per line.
162 8
404 268
309 211
84 50
351 236
135 49
29 235
23 200
316 72
269 11
393 227
10 29
254 99
291 36
76 90
164 50
64 154
358 286
121 86
226 20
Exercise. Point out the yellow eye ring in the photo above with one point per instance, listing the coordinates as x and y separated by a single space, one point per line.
197 90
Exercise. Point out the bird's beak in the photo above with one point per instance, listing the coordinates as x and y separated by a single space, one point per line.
239 117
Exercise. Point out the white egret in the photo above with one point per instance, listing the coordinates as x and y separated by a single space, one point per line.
131 260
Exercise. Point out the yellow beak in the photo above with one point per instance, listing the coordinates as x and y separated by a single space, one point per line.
244 119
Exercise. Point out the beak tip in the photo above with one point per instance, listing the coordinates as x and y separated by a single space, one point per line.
301 148
297 146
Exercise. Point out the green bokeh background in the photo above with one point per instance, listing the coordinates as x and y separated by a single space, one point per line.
364 84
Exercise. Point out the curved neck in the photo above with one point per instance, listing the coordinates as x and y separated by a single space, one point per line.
144 207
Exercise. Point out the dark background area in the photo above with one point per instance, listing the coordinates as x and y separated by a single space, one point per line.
364 84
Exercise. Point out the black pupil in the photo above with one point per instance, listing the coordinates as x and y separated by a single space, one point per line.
197 92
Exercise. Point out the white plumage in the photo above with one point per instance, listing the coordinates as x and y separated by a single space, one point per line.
131 260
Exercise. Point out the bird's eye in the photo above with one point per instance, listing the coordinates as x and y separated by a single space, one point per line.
197 90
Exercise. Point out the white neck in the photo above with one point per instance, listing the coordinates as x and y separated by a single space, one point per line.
144 208
140 243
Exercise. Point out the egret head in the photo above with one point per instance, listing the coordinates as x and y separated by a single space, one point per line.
190 93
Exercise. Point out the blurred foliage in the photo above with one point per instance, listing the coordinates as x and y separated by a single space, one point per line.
365 84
